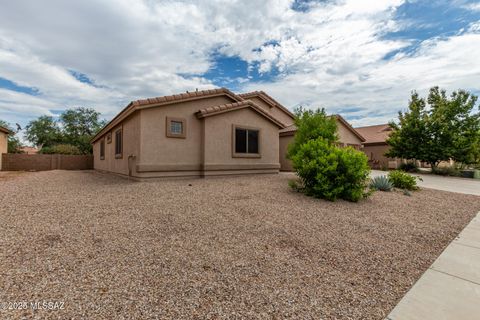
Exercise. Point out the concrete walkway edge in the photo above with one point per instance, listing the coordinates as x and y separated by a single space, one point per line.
450 288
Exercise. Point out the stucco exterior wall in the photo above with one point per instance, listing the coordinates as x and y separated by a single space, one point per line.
375 154
346 136
161 154
131 146
3 145
276 112
285 164
206 148
218 142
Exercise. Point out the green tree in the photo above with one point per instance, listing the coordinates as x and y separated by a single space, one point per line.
325 170
312 124
79 125
43 132
438 128
13 143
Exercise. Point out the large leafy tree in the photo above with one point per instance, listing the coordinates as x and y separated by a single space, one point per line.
43 132
438 128
75 127
13 143
79 125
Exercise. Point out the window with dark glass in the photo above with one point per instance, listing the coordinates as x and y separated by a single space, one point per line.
102 149
176 127
118 143
246 140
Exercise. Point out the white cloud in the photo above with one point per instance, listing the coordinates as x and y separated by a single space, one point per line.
331 55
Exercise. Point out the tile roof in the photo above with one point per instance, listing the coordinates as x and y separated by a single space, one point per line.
210 111
5 130
164 100
288 131
268 99
375 134
185 96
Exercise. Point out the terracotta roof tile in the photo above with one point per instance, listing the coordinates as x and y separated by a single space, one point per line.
5 130
235 106
263 95
375 134
131 107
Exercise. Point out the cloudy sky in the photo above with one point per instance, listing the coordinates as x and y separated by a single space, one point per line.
358 58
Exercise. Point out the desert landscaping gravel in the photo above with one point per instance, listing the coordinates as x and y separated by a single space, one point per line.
103 247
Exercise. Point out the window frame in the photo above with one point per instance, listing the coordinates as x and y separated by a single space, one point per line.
109 137
247 154
119 155
102 148
169 132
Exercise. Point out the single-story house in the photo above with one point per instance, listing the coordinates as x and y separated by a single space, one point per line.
201 133
4 132
347 136
375 146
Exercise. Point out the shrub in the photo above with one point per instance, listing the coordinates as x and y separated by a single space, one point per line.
311 125
402 180
381 183
447 171
329 172
61 149
408 167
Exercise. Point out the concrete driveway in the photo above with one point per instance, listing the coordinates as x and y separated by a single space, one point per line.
452 184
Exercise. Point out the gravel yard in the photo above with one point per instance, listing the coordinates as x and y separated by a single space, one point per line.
238 247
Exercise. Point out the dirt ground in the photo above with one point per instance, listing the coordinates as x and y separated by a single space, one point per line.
80 244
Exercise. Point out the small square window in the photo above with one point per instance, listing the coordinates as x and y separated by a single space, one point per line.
176 127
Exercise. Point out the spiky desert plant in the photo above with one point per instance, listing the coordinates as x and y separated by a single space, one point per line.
381 183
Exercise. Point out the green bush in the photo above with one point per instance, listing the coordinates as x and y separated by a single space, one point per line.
447 171
330 172
402 180
61 149
408 167
381 183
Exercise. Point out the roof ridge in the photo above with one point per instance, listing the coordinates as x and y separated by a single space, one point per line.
229 106
170 99
373 125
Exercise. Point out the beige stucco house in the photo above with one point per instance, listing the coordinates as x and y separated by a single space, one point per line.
4 132
375 145
347 136
201 133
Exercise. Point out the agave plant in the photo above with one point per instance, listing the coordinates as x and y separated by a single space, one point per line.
381 183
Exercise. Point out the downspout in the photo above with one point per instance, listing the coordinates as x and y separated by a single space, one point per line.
130 156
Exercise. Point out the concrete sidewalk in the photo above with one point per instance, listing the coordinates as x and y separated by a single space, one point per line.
452 184
450 288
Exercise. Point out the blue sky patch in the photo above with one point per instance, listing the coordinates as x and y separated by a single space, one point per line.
423 20
83 78
9 85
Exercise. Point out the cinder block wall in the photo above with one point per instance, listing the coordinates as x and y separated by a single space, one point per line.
42 162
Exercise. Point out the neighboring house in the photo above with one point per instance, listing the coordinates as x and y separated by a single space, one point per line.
375 146
347 136
211 132
28 150
4 132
